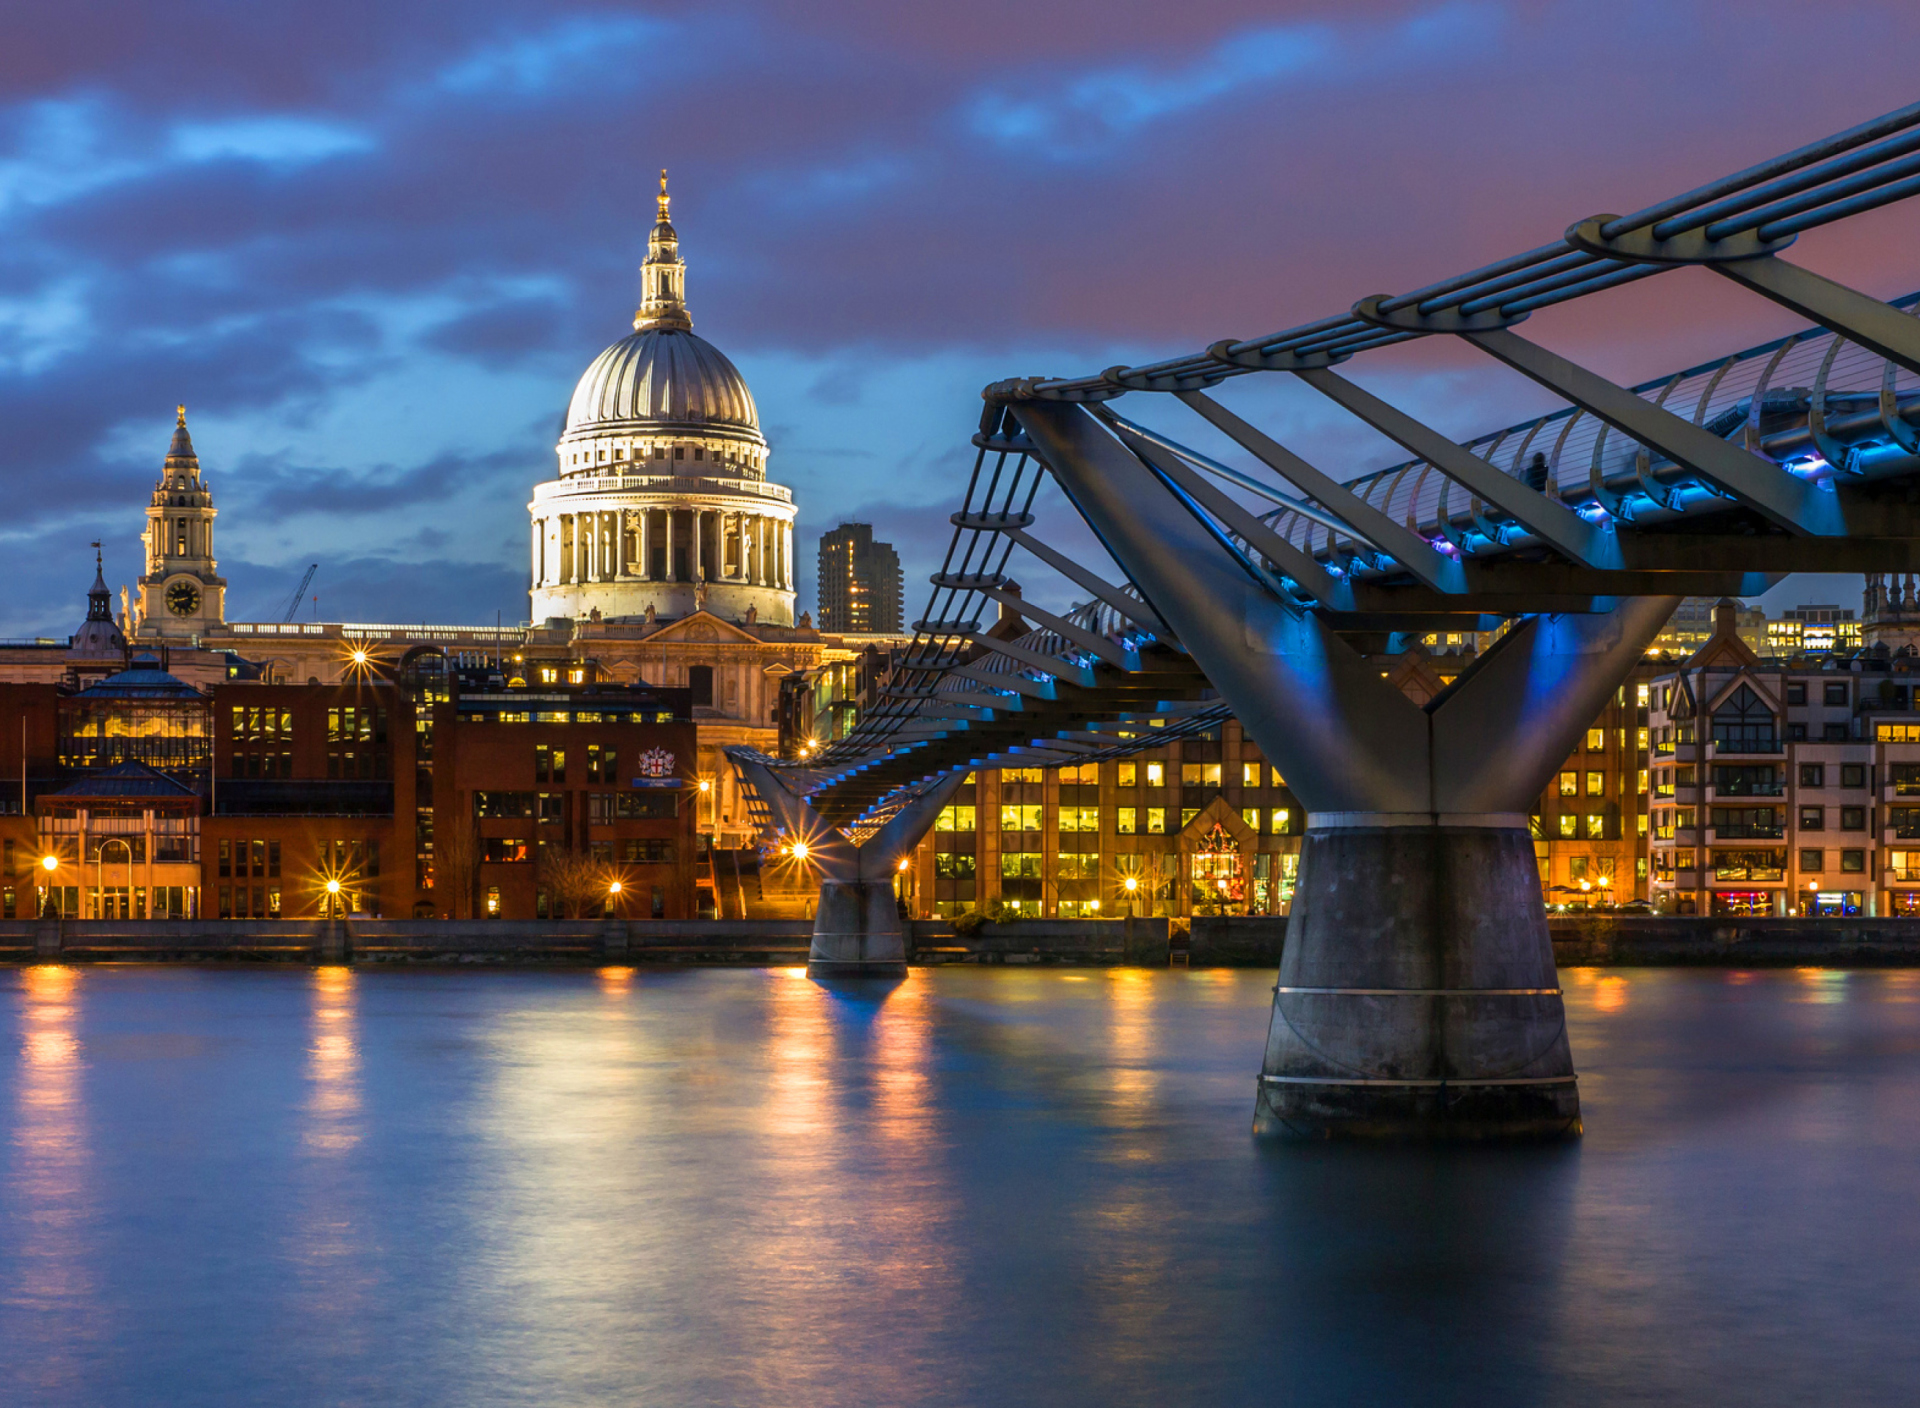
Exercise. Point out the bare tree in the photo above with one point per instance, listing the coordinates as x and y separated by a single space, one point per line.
456 863
576 882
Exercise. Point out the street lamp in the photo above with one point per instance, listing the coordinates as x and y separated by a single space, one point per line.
1132 885
333 897
613 894
799 850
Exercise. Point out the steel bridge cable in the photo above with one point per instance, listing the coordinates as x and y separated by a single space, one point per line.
1896 121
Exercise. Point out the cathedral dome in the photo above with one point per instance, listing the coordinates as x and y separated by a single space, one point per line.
661 376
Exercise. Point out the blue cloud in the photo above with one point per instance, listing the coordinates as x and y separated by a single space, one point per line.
536 63
1072 115
273 139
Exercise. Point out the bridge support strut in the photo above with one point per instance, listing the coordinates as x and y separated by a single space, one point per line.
1417 995
857 928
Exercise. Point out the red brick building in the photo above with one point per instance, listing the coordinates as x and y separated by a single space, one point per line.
416 792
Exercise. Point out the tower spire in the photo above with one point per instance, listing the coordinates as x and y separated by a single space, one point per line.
663 278
181 460
99 599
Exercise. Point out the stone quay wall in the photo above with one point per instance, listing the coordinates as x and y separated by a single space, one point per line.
1605 940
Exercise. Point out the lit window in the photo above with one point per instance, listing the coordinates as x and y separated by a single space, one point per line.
1568 824
1281 819
1274 779
1569 784
1249 774
1156 774
1251 816
1129 774
1596 740
1596 828
1596 784
1125 820
1156 821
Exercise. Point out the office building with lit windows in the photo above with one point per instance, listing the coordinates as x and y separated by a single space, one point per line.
859 582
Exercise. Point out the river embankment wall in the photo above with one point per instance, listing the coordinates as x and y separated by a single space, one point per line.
1204 942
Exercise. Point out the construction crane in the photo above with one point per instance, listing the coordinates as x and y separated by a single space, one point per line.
293 607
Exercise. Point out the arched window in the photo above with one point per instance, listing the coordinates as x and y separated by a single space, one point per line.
1744 724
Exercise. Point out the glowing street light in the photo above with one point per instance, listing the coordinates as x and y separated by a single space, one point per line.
1132 884
705 786
614 888
359 657
799 850
50 862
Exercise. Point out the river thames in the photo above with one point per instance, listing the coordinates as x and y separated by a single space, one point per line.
981 1186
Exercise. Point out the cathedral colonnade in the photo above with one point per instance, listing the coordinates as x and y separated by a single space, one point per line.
645 543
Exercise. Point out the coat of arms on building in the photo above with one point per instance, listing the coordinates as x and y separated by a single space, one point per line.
656 762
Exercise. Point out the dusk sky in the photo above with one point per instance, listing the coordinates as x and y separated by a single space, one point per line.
371 246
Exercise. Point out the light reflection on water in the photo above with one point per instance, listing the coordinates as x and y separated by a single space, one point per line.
971 1187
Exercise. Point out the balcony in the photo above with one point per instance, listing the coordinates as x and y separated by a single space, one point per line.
1767 747
1746 833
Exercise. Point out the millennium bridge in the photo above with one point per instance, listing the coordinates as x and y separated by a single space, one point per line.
1417 994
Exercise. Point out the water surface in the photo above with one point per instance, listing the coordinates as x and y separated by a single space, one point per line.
977 1187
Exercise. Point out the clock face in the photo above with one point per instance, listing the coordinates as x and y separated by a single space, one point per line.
183 598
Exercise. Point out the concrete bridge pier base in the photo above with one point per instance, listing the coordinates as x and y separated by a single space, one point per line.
857 932
857 929
1417 996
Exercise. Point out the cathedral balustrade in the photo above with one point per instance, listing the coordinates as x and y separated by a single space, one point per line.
677 484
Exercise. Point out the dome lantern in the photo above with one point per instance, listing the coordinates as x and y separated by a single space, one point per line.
663 278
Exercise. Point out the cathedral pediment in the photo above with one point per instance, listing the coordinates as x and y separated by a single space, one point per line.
702 629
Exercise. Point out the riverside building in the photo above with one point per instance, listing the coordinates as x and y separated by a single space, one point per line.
1786 786
417 791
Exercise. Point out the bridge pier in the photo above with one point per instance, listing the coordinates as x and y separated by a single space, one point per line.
857 931
1417 996
857 928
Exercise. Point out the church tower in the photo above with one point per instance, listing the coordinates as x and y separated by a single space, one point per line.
181 594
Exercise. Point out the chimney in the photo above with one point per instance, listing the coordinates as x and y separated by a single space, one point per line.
1010 617
1726 618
